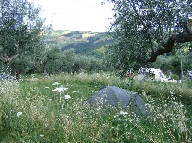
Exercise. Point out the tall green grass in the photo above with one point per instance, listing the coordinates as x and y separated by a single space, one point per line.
31 112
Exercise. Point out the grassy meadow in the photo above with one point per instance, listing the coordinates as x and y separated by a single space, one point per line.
32 111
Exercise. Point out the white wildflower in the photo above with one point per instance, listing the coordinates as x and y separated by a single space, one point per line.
56 83
19 114
67 96
115 116
60 89
41 135
123 113
46 87
171 92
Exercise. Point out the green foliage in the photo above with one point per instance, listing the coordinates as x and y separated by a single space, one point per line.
88 64
172 62
56 61
81 42
20 34
31 112
64 53
140 27
52 60
85 47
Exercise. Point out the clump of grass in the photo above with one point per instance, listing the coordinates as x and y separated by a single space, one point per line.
37 114
169 117
101 78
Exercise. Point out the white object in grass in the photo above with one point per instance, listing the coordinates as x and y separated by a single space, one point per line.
19 114
123 113
67 96
56 83
60 89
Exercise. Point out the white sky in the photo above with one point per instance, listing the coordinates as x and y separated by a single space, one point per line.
80 15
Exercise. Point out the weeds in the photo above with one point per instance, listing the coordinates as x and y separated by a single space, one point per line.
31 112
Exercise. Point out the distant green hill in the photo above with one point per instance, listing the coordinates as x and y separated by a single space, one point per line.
83 42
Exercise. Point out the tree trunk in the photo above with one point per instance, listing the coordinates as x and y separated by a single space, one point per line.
167 46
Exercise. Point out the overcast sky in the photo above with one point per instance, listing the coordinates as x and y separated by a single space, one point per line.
81 15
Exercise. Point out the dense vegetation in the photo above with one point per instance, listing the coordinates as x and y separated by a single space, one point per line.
143 30
32 112
80 62
26 46
83 42
21 27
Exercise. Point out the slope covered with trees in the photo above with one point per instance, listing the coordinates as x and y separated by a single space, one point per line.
80 41
141 31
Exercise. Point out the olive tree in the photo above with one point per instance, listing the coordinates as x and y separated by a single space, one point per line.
143 30
21 29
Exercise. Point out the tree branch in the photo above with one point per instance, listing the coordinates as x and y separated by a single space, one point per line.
7 59
166 47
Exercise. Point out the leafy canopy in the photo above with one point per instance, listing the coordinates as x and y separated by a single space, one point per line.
20 32
145 29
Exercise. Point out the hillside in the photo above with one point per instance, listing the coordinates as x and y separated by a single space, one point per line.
81 41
